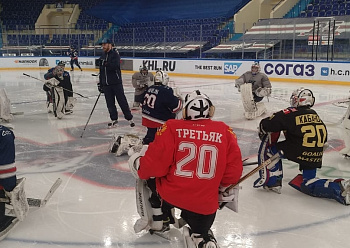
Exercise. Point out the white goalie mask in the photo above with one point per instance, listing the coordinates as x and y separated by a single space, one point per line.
255 68
197 106
161 78
302 97
143 70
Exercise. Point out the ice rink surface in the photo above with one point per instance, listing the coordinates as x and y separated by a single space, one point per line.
95 205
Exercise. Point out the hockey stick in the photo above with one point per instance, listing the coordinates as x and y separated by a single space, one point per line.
98 97
250 163
95 75
34 202
55 86
17 113
267 162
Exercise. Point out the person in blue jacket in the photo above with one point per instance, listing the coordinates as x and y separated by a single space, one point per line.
111 83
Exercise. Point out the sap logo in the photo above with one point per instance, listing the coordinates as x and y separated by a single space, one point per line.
324 71
231 68
290 69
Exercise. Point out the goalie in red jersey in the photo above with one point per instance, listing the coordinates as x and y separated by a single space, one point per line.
192 160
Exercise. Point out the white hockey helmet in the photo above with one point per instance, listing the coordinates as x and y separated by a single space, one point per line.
161 78
255 68
302 97
143 70
197 106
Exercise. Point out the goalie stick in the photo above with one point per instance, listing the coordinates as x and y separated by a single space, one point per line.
267 162
34 202
55 86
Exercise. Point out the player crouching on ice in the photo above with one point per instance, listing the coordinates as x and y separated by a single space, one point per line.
192 160
59 91
10 187
254 86
160 103
306 135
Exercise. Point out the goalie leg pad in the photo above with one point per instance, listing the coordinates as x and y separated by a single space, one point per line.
7 224
126 142
18 199
59 101
270 177
346 134
247 98
308 184
145 210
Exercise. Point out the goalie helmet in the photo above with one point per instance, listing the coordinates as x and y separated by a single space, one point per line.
197 106
161 78
255 68
58 71
302 97
61 63
143 70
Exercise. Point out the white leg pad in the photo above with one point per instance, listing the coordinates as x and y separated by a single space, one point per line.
346 136
59 100
18 199
144 209
128 141
247 98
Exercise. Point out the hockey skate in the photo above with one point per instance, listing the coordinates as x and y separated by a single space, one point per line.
112 123
49 107
164 232
276 187
131 122
113 147
194 240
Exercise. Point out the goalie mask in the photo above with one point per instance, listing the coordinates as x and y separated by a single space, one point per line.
143 70
197 106
302 97
255 69
58 71
161 78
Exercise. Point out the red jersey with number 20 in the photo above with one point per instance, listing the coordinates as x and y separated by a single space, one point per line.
190 160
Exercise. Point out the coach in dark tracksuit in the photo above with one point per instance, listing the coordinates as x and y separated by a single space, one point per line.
111 83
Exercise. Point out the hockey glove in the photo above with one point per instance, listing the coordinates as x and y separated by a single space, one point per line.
230 196
134 161
262 92
99 87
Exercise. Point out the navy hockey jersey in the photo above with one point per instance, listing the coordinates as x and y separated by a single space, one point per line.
159 105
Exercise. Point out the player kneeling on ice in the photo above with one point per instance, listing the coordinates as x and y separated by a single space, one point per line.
10 187
192 160
160 103
65 84
254 86
306 135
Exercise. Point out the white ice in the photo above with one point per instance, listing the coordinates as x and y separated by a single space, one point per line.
95 205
